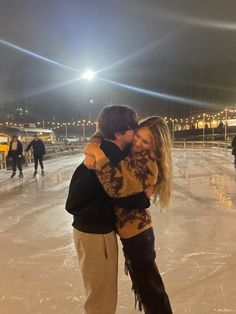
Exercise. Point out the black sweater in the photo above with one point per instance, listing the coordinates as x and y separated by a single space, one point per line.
88 202
38 147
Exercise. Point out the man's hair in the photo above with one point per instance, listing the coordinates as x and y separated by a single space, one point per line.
116 118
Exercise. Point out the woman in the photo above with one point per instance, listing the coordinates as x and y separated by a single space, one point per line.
15 152
147 167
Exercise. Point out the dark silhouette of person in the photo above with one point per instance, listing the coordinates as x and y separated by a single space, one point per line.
15 152
234 149
221 125
38 152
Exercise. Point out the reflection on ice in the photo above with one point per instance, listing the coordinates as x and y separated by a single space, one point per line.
222 186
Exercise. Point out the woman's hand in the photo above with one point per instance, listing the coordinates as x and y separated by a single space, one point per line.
89 161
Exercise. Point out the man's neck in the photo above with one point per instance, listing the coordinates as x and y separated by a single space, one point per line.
118 143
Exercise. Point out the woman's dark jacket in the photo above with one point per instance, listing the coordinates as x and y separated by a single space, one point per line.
15 153
38 147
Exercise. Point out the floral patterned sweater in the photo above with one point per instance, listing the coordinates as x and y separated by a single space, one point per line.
134 174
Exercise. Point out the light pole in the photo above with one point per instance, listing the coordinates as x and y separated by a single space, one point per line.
226 122
173 130
84 135
203 130
213 125
91 102
66 131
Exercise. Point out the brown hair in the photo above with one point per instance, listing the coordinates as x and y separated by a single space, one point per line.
162 151
116 118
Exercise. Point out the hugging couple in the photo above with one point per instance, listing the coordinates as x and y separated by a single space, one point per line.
126 163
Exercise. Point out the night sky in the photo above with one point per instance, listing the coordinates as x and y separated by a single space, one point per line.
181 48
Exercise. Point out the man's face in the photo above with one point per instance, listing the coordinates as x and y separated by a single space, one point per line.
127 137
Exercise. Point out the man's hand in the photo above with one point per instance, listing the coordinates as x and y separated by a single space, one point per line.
89 161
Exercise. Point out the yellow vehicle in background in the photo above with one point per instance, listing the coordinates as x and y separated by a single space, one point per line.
25 135
3 144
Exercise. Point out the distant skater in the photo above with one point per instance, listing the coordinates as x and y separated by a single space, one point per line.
15 152
38 151
234 149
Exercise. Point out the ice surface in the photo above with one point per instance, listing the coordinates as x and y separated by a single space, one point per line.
195 240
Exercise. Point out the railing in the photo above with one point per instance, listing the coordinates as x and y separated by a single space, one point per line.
69 149
200 144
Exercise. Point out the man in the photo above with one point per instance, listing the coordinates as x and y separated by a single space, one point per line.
94 221
38 151
15 152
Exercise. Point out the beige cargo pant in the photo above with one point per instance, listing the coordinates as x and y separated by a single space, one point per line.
98 261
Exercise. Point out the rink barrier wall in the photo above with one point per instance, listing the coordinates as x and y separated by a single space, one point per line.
200 144
56 150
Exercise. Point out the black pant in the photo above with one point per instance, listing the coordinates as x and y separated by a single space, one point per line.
140 257
38 158
16 161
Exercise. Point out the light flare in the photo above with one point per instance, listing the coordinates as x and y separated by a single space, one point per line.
88 75
198 21
35 55
48 89
177 99
136 54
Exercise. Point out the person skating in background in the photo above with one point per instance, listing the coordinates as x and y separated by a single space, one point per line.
15 152
234 149
38 152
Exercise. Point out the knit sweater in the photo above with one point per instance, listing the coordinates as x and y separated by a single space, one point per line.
134 174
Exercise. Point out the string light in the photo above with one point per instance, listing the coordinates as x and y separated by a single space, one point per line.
216 116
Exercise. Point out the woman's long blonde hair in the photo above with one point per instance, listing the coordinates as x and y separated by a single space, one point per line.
162 151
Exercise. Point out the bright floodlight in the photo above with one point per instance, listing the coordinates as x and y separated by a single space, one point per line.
88 75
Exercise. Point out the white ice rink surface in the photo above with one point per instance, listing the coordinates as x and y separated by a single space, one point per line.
195 240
